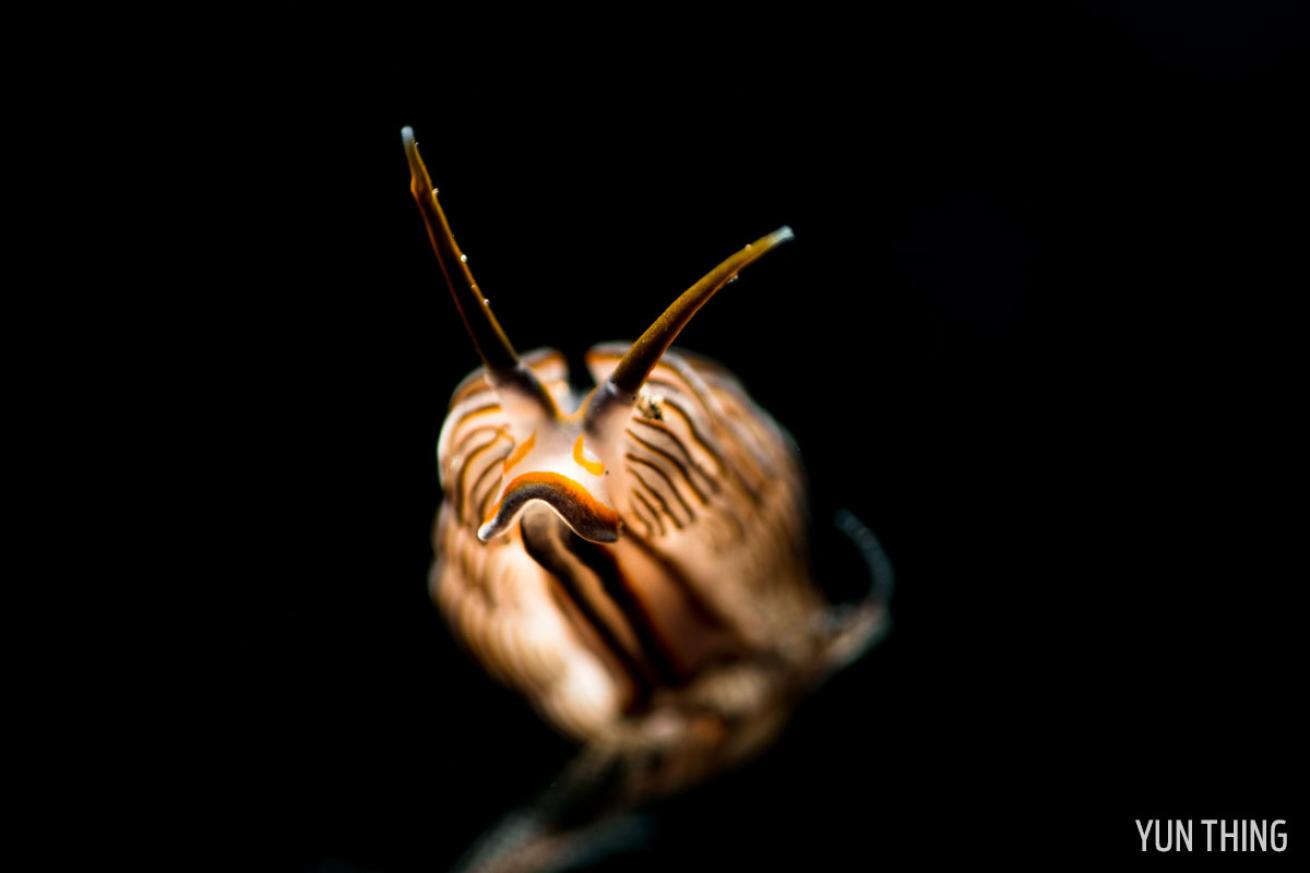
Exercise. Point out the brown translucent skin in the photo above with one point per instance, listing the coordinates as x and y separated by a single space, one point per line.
632 561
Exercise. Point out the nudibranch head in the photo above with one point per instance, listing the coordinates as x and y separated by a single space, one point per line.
561 459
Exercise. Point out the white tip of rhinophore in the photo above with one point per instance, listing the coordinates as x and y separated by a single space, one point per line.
782 234
407 134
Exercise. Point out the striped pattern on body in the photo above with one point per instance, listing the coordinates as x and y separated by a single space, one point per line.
709 570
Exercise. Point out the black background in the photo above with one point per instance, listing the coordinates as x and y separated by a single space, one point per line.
1038 329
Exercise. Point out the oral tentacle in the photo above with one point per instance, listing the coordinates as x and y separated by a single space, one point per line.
587 516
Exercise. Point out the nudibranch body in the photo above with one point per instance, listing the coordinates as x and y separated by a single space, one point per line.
632 560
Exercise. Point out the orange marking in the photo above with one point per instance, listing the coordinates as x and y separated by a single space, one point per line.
595 468
520 451
481 410
572 491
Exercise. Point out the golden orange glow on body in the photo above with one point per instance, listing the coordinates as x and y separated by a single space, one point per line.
595 468
690 618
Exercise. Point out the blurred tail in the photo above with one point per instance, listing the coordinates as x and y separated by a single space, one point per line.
522 843
576 822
